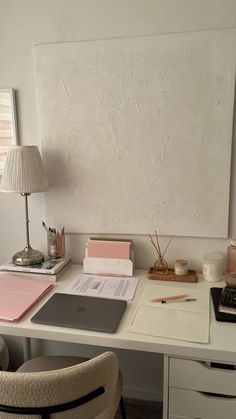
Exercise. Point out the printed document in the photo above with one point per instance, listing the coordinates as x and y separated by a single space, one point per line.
103 286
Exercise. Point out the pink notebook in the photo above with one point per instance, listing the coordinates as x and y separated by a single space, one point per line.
19 293
108 249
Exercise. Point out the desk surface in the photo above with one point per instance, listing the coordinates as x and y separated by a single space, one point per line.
221 346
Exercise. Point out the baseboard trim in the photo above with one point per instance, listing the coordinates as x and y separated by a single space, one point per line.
142 394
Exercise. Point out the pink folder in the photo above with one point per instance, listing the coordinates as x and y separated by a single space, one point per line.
19 293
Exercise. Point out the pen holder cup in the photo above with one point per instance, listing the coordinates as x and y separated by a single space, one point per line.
56 245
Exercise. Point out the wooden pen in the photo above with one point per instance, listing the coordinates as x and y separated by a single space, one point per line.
171 297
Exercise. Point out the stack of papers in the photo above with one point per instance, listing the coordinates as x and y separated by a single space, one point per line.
103 286
183 320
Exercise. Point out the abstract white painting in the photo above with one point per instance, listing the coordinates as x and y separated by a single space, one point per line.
136 133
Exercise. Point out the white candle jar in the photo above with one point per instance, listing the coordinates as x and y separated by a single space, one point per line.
212 269
181 267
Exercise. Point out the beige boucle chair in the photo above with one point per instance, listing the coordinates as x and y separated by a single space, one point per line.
4 354
63 387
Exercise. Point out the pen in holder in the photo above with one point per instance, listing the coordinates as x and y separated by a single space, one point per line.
56 244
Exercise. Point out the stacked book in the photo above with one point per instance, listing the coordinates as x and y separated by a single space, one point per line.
227 302
111 256
50 269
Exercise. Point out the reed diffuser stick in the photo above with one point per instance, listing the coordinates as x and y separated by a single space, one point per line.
168 245
158 245
153 243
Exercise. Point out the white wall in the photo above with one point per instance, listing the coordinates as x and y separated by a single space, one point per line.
26 22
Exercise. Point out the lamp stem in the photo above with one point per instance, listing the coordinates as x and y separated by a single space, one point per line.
26 218
28 256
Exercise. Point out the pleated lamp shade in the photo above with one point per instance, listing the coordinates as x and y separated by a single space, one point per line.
24 171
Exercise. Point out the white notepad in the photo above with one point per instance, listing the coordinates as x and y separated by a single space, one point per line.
188 321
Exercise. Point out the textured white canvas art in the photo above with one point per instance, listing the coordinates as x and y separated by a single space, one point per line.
136 133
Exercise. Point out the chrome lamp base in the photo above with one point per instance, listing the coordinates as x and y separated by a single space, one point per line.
28 257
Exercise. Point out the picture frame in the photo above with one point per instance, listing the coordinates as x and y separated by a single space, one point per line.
8 124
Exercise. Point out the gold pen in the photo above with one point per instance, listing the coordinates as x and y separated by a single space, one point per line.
169 298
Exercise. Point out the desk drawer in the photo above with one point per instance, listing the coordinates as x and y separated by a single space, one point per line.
193 404
195 375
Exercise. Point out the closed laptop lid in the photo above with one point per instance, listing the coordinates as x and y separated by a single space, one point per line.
81 312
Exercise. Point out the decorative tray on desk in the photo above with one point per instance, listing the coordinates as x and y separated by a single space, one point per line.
171 276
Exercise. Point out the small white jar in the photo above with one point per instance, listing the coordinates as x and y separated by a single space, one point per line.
181 267
212 269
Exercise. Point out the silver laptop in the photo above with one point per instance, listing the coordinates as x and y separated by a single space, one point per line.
81 312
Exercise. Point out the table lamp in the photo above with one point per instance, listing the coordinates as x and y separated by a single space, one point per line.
24 173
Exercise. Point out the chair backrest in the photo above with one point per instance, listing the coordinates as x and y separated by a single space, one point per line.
57 387
4 354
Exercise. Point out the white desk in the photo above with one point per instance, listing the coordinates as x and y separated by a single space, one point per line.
221 347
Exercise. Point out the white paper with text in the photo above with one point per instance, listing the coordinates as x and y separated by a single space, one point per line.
103 286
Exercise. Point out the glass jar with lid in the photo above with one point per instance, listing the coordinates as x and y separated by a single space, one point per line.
181 267
212 266
231 258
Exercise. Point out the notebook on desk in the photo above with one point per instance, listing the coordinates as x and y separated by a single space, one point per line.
81 312
221 317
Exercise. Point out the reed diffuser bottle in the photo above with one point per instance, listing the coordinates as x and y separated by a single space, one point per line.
160 265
